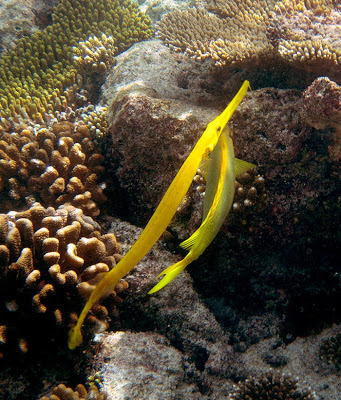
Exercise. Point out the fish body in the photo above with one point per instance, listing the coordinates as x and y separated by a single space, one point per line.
220 189
163 213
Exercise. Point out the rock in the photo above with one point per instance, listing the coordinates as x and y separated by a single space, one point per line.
142 366
22 17
178 314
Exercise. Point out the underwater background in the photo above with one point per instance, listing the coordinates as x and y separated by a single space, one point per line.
101 102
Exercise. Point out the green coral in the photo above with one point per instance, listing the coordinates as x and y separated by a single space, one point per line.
35 75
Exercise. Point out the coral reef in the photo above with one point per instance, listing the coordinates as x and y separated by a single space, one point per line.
35 75
96 120
330 351
95 54
265 258
56 165
50 261
236 40
308 33
271 386
245 34
61 392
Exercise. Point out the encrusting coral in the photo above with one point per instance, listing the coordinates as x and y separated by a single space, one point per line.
243 33
35 75
61 392
50 259
56 165
271 386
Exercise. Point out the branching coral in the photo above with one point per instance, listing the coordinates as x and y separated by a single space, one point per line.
238 38
35 75
271 386
50 259
243 33
96 120
61 392
56 165
95 54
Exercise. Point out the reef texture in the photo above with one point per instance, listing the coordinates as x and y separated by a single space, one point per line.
95 54
21 17
330 351
61 392
197 359
35 75
244 33
308 32
156 366
271 386
322 110
54 165
50 261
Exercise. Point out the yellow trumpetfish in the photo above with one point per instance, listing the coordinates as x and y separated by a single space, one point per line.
220 188
162 215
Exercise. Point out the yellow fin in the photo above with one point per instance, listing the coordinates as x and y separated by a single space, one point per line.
242 166
75 337
190 242
204 165
170 273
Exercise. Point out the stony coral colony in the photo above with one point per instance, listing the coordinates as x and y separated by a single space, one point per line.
304 33
52 251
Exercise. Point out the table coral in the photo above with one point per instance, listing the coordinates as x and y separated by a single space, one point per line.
55 165
50 260
244 33
34 75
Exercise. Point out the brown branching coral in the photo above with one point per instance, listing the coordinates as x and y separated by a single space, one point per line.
57 165
50 259
250 191
271 386
243 33
61 392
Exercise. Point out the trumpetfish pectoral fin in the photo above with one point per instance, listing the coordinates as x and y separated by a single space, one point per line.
242 166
